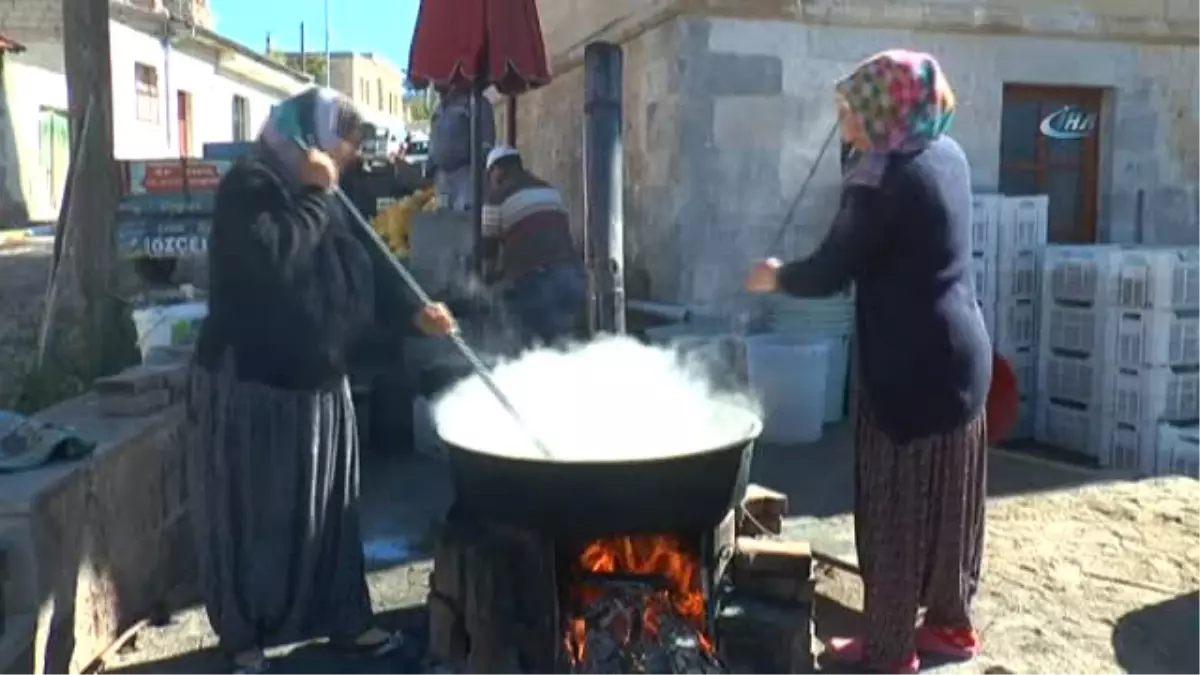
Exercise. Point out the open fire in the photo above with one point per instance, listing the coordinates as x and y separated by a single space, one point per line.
508 599
636 604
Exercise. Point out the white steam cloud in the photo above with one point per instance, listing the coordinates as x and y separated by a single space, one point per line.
612 399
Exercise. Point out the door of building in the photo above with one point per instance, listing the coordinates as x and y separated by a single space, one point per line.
183 113
1050 144
54 143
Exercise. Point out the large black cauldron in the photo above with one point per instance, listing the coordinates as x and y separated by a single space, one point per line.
687 493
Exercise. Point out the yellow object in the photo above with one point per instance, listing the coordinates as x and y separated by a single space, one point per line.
394 222
393 225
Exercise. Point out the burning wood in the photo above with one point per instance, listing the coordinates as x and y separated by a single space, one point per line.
638 607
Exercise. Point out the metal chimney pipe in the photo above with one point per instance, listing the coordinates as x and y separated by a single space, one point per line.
603 216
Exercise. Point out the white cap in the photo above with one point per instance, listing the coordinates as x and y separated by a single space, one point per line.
498 153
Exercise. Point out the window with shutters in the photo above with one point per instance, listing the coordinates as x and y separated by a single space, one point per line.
145 80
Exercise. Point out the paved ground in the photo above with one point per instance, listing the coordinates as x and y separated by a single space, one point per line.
1084 574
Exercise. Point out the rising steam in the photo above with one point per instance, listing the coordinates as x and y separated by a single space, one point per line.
612 399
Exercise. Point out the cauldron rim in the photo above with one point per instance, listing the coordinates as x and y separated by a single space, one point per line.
751 433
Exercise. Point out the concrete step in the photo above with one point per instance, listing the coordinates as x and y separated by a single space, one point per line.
16 643
18 590
21 572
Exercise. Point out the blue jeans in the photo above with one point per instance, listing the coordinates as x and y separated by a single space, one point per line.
546 304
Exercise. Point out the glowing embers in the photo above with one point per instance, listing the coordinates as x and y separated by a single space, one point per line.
636 604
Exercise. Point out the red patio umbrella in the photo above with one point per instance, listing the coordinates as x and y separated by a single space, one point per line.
476 43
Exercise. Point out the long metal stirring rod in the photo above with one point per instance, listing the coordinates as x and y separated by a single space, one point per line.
455 338
742 319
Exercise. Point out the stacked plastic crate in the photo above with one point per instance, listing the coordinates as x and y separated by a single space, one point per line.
1020 241
1156 387
1117 354
985 225
1009 234
1078 292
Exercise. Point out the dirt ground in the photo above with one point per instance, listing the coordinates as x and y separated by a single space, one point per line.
1098 579
24 271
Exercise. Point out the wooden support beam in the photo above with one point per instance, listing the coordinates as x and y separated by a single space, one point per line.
88 334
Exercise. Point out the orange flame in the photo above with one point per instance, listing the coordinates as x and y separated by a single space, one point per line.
662 556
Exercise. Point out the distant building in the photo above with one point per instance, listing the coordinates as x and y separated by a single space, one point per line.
176 85
197 12
375 84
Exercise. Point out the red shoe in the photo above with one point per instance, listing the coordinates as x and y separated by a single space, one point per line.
961 644
850 650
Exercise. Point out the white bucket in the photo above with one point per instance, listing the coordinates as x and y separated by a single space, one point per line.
837 375
789 374
168 325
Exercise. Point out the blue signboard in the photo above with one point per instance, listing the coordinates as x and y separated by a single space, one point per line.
177 204
164 237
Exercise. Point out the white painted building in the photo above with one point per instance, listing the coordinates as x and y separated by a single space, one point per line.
175 88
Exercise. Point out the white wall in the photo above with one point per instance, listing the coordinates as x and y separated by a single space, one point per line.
35 79
184 68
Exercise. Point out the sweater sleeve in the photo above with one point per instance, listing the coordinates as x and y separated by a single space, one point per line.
853 240
284 232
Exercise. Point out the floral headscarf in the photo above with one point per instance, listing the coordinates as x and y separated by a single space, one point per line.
895 101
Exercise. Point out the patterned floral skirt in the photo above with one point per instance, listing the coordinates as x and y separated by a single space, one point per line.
919 522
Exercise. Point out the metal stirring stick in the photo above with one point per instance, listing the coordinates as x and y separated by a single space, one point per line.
456 338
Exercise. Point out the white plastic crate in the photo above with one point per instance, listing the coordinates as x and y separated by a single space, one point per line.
1025 368
1147 337
1083 380
1016 325
1068 426
1178 450
1017 277
1083 274
989 317
985 224
1022 224
1026 423
984 279
1155 394
1159 278
1131 447
1084 330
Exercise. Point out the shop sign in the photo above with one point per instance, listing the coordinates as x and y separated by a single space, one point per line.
1068 123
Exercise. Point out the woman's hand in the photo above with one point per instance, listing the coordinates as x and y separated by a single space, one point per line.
436 320
318 170
764 276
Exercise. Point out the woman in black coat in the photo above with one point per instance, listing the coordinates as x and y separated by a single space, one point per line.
273 457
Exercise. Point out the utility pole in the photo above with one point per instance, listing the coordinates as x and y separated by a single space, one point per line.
87 334
327 65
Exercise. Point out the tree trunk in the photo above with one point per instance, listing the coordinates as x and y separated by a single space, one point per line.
88 333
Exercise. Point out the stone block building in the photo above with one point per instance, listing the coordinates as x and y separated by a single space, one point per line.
727 103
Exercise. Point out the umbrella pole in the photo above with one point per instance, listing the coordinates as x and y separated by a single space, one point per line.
511 121
477 178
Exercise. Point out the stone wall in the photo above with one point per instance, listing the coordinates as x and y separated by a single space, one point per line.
759 106
94 545
725 115
550 138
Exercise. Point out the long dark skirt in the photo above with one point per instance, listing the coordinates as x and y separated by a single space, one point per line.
274 487
919 529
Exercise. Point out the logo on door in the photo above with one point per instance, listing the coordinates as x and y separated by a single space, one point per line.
1068 123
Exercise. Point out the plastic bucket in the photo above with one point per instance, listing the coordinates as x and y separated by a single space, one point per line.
168 325
789 374
837 374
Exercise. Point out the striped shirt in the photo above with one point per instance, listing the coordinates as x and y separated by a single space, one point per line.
529 218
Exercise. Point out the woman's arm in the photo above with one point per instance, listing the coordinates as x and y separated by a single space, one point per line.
853 240
259 219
